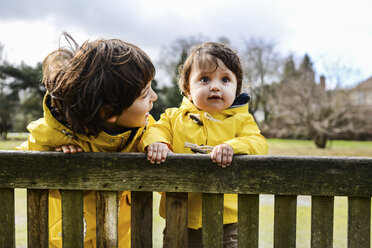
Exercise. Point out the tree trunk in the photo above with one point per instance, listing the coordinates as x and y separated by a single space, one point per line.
320 140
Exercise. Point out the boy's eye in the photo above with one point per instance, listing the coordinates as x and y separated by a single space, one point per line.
145 94
225 80
204 79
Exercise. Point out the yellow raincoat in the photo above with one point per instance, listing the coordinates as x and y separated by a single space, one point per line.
233 126
45 135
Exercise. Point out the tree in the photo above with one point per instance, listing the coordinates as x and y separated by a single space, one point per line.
306 70
25 77
8 102
172 57
159 106
304 108
173 96
24 84
261 64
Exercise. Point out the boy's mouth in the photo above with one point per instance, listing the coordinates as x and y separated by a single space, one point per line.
214 98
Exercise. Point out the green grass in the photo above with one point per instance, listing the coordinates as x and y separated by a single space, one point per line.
21 218
307 148
276 147
19 136
9 144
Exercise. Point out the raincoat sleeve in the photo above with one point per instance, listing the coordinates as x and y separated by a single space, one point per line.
160 131
41 138
248 139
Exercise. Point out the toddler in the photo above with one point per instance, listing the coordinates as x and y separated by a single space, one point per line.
213 117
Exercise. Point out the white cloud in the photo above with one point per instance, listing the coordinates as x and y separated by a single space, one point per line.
323 29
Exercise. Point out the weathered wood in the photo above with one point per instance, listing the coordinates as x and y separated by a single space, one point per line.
7 224
280 175
37 218
141 219
248 214
72 218
285 210
359 222
212 218
107 219
176 232
322 221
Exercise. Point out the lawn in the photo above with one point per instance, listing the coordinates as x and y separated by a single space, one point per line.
276 147
307 148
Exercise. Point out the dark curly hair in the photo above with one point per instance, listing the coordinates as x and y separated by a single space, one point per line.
93 82
199 54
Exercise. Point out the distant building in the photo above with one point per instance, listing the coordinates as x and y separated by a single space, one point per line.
361 95
361 101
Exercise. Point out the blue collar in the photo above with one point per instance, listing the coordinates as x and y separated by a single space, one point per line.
240 100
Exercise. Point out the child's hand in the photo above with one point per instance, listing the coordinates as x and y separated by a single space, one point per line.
157 152
222 155
69 149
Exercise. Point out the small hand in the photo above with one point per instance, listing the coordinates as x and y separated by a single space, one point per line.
222 155
157 152
69 149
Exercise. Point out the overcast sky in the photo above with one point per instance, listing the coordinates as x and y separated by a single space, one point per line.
329 31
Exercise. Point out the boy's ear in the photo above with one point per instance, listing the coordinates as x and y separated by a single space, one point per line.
112 119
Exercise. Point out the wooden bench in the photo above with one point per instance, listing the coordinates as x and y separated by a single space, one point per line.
283 176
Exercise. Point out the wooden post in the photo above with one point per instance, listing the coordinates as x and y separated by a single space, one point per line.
212 205
285 221
359 222
107 218
7 225
176 232
37 218
72 219
141 219
248 214
322 221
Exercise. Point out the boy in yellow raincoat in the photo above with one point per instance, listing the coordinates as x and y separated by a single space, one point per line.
213 117
98 99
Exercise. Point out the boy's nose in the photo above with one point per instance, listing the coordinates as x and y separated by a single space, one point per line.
154 96
214 86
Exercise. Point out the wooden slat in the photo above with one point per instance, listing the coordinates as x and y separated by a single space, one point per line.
7 218
212 208
359 222
37 218
285 221
176 232
325 176
322 221
72 218
107 218
141 219
248 215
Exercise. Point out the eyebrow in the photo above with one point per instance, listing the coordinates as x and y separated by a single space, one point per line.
223 73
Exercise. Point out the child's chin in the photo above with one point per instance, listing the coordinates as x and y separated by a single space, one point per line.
143 124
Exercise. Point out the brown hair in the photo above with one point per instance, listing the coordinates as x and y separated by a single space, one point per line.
105 74
198 54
